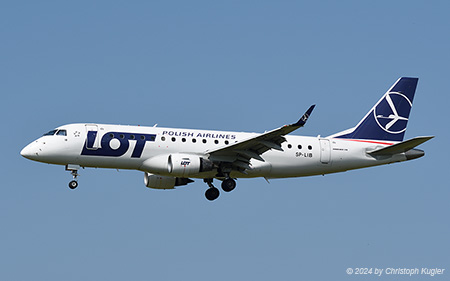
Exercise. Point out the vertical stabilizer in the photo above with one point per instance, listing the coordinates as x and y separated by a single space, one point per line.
388 119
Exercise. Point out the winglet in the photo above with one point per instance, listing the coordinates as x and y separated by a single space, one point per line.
301 122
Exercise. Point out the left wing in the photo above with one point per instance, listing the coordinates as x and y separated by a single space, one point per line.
240 153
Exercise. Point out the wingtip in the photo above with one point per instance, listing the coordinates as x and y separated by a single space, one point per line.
301 122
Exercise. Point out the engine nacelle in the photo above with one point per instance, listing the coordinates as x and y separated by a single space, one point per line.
159 182
177 165
164 182
184 165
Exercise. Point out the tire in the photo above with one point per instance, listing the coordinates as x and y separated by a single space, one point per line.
212 193
228 185
73 184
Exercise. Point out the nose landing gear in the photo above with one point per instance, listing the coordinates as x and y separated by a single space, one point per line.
74 172
73 184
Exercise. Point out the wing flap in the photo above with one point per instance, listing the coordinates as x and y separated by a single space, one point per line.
271 145
250 154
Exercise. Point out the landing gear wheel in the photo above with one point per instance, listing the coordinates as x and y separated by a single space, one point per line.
212 193
73 184
228 184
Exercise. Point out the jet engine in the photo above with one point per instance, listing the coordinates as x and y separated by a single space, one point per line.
164 182
177 165
183 165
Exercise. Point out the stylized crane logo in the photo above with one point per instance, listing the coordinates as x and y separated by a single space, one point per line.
387 112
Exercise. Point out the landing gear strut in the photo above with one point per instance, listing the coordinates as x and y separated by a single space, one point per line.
212 193
74 172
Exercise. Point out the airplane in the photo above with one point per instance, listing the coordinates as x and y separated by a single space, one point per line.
172 157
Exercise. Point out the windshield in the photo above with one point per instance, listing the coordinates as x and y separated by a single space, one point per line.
56 132
51 133
62 133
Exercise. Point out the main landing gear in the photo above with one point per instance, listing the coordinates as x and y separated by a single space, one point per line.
228 184
74 172
212 193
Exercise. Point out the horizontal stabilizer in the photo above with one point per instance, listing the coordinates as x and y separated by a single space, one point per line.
400 147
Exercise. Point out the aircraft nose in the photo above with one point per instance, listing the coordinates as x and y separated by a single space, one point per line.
29 151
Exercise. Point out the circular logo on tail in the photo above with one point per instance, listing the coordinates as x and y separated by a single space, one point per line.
392 112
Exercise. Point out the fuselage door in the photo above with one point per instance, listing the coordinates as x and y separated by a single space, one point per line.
92 140
325 151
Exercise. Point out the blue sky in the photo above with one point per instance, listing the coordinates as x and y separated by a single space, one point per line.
231 65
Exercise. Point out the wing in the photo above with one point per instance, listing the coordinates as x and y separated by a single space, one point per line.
240 153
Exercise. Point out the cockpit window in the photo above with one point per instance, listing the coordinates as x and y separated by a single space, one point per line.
51 133
61 133
56 132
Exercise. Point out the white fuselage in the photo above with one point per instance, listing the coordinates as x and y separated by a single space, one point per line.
128 147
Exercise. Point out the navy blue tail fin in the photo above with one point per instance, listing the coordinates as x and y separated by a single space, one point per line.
387 120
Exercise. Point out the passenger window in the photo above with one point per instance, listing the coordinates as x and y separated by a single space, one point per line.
61 133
